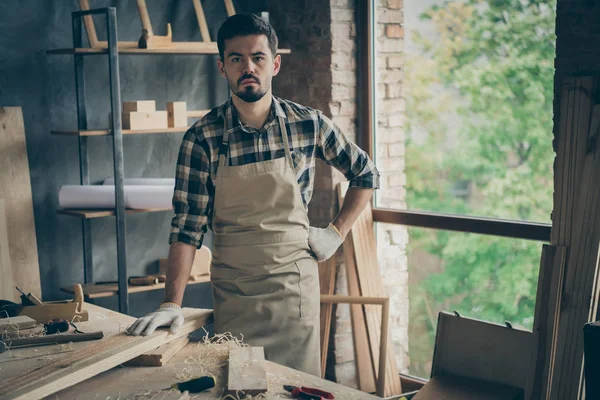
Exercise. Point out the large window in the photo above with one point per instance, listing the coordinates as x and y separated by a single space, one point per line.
461 131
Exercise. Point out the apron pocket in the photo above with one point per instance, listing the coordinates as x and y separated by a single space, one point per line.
310 294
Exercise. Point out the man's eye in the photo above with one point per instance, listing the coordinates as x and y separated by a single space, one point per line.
259 58
235 59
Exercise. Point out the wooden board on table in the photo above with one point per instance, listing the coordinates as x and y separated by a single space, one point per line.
371 285
15 189
246 372
125 381
7 288
16 323
327 271
93 359
362 350
161 355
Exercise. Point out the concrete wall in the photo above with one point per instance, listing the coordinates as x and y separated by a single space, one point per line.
43 85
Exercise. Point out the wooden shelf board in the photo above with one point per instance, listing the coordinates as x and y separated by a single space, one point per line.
105 213
105 132
94 291
201 48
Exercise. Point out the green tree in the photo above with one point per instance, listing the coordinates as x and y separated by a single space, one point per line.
479 108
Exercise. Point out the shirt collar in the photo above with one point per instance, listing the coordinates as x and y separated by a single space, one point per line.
229 115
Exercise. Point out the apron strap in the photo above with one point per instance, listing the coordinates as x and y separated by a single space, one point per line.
223 149
286 143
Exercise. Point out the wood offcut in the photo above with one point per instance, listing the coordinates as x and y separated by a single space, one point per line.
246 371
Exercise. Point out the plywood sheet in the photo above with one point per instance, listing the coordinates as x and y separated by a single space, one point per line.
15 189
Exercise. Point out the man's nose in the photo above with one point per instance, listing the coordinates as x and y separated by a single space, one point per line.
249 67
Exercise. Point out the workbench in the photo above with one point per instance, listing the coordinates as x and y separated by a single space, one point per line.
128 382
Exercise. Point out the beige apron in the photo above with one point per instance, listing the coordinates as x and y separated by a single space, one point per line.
265 282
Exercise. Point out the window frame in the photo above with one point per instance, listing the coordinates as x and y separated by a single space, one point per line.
367 124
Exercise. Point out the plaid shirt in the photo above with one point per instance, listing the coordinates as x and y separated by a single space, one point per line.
311 135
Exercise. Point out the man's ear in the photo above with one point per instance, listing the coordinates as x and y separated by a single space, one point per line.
221 68
276 64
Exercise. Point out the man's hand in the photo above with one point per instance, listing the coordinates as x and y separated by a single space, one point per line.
169 314
324 242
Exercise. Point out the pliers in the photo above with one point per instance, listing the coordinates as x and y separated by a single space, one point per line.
308 393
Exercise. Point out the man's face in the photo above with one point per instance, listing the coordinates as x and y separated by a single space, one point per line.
249 66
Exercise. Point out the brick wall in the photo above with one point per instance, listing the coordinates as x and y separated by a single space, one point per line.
321 73
392 239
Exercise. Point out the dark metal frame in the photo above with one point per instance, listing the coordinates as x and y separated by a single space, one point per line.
115 105
365 23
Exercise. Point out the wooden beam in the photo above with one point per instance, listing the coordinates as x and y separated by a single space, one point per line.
144 17
246 371
364 361
94 359
576 225
229 7
327 271
371 284
88 21
15 189
201 21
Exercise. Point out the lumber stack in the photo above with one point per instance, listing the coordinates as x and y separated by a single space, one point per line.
576 226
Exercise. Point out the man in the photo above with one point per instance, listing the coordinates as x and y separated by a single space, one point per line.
247 170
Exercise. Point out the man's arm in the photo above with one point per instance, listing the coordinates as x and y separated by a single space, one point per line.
181 258
354 202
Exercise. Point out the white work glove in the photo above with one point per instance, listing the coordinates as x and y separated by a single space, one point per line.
324 242
169 314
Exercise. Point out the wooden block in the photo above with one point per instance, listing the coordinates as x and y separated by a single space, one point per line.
140 106
247 372
145 120
15 189
16 323
177 114
161 355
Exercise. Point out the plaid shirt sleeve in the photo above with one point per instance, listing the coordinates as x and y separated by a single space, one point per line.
194 192
337 150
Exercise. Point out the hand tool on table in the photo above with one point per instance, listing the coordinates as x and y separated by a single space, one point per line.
196 385
50 339
308 393
29 299
135 281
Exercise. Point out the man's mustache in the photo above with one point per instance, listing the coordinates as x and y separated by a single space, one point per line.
248 76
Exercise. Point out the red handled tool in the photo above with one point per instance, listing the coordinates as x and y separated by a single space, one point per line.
308 393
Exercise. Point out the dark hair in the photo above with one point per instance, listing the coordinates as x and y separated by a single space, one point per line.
245 24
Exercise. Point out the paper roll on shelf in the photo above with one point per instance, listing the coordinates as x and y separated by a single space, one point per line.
103 196
143 181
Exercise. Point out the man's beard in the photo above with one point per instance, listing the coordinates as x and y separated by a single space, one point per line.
248 93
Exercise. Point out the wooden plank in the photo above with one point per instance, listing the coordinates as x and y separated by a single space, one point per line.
16 323
229 7
94 359
96 291
246 371
371 284
161 355
105 213
105 132
201 21
175 48
546 315
327 271
15 189
88 21
581 233
365 363
7 288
